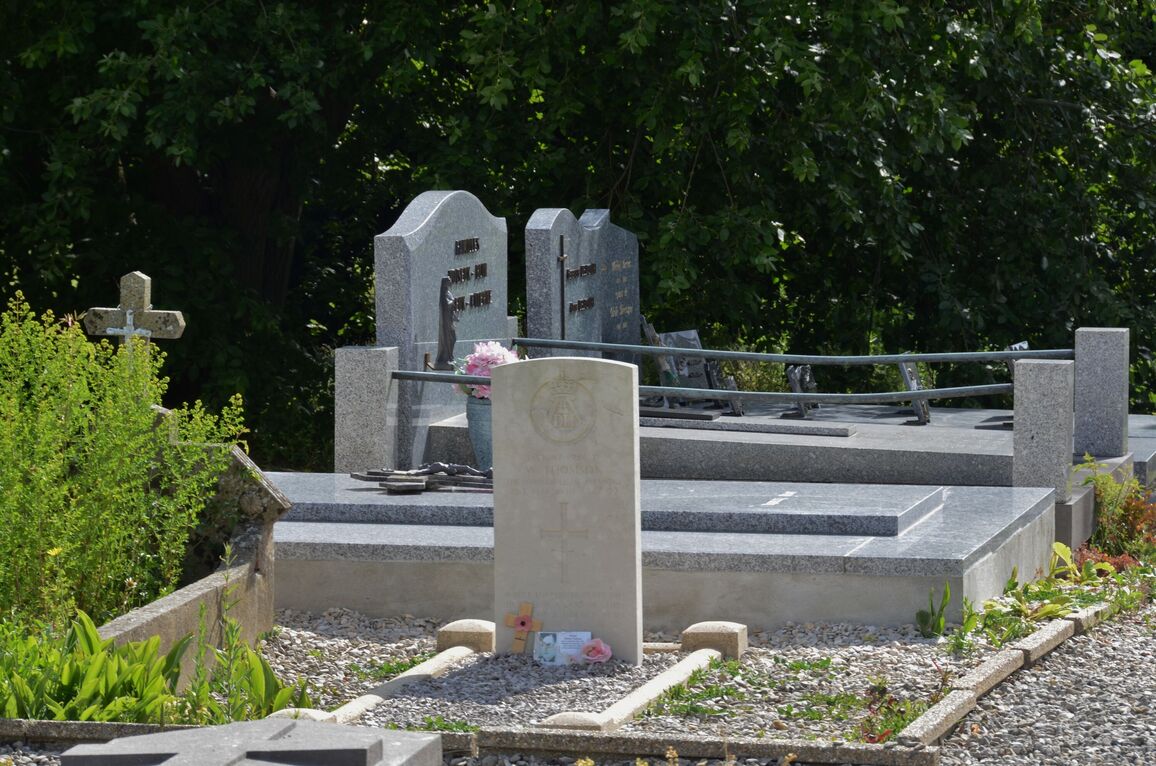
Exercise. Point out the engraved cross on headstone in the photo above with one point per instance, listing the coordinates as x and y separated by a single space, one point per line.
562 534
135 314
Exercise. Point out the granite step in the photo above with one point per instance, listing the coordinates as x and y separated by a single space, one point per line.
667 505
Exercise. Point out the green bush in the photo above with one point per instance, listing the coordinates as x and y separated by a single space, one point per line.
97 497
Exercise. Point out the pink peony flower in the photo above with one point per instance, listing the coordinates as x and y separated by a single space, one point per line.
595 650
487 355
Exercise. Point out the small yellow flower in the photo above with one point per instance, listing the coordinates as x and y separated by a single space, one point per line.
55 551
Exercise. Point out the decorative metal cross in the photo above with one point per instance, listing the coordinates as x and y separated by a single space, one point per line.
523 622
134 315
562 534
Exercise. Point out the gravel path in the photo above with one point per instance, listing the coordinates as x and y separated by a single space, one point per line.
1093 701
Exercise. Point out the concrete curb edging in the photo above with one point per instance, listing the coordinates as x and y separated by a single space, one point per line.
624 709
632 745
942 717
432 668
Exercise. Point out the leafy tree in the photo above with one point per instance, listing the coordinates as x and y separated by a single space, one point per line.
822 177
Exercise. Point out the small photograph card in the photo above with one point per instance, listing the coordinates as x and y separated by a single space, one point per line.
560 647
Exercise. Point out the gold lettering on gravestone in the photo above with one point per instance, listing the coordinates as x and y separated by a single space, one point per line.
583 305
459 275
480 270
467 246
562 411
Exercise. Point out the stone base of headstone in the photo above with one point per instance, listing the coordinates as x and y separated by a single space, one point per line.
270 741
730 638
473 634
365 404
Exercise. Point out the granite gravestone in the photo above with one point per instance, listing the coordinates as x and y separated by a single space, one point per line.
591 294
441 234
567 519
271 741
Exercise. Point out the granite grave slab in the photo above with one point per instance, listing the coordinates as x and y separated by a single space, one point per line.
666 505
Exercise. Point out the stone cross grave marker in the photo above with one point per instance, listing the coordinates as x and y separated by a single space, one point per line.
567 520
440 235
135 314
581 280
270 741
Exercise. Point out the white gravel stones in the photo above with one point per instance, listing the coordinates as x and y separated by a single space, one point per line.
803 681
511 690
341 651
1092 701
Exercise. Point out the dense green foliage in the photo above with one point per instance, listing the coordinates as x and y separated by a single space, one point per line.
75 675
819 177
99 493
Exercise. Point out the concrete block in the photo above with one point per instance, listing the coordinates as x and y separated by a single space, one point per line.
730 638
1075 519
941 717
474 634
1044 640
1101 391
990 672
1089 617
365 408
1042 440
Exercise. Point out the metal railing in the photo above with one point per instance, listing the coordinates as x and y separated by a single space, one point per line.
815 359
775 397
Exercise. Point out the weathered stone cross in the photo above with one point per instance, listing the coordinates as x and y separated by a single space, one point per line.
134 315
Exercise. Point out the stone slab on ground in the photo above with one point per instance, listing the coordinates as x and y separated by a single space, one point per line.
733 506
972 542
270 741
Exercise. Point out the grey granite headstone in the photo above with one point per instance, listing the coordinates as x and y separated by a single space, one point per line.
562 297
1101 397
1042 441
440 234
270 741
618 295
593 294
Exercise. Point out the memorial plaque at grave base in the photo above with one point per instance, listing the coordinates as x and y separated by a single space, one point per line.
441 235
567 518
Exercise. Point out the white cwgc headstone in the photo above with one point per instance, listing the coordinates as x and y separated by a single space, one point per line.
440 234
567 520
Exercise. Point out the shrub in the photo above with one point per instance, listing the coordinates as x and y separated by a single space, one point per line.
96 497
1125 516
